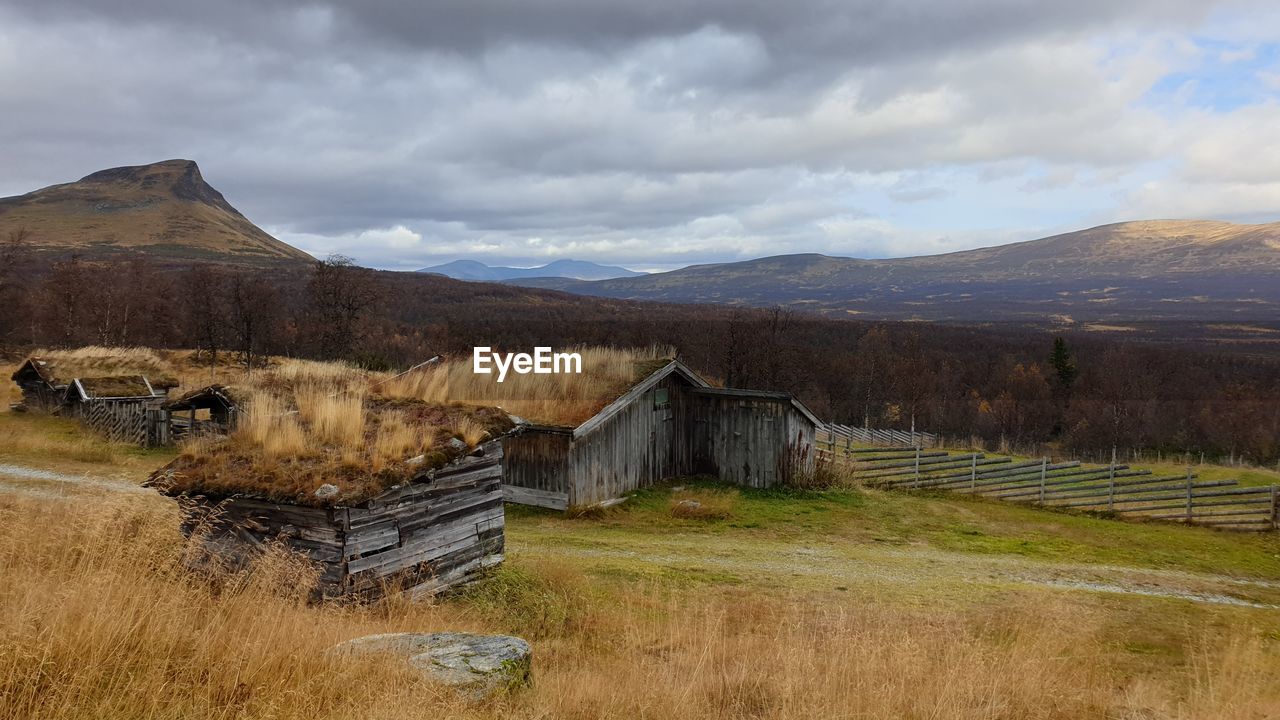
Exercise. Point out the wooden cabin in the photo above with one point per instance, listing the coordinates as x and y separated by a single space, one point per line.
42 391
211 409
436 532
671 423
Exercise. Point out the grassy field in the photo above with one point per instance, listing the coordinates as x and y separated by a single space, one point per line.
841 603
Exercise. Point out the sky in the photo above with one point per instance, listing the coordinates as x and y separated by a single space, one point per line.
662 133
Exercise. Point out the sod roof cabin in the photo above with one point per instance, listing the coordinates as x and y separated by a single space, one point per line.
210 409
422 521
669 424
54 383
123 406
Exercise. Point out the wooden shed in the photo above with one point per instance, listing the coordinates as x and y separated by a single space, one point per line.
42 391
671 423
210 409
441 529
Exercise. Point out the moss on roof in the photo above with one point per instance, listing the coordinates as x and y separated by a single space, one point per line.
229 466
118 386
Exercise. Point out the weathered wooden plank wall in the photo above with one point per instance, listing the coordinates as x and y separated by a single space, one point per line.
750 441
536 468
131 421
643 443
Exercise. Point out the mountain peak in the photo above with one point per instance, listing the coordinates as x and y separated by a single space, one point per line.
179 178
161 209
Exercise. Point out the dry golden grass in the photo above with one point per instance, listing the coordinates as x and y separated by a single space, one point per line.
335 418
100 619
561 399
270 425
396 437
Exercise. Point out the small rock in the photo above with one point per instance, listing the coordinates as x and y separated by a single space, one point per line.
688 505
457 444
477 664
326 490
415 460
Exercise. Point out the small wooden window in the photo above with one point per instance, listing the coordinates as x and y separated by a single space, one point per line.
661 399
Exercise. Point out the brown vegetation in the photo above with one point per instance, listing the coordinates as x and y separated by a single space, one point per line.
100 617
553 399
307 424
997 384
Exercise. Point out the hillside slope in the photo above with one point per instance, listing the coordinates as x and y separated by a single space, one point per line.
1163 269
163 210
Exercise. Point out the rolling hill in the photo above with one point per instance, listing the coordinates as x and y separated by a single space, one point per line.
1148 270
164 210
571 269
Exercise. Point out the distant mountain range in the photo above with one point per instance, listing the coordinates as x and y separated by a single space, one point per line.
564 269
1148 270
164 210
1179 270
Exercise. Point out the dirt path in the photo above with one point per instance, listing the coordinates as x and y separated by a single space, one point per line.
47 483
913 572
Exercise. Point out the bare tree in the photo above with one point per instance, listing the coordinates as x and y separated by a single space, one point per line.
65 303
254 308
777 328
15 250
341 294
205 320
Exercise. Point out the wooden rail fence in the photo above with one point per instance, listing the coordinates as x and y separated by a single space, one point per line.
851 436
1117 489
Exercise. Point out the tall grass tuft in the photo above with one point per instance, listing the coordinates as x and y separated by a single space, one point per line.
272 426
396 438
334 418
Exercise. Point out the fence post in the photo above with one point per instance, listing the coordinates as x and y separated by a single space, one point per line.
973 475
1275 507
1189 498
917 467
1044 470
1111 488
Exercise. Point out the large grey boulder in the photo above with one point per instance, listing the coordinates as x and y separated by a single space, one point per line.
477 664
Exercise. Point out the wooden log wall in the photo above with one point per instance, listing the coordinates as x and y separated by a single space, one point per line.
423 537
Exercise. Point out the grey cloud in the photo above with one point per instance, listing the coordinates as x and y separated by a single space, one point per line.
621 132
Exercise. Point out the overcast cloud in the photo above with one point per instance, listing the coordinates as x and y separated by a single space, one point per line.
661 133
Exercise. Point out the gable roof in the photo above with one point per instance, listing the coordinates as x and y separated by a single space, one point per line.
674 367
40 368
763 395
205 397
